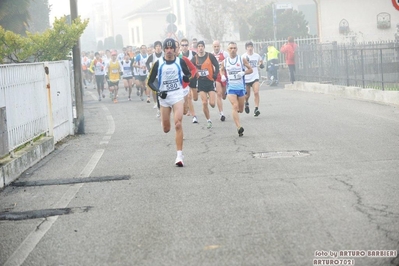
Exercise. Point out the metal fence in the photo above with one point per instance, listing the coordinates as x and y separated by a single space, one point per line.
366 65
261 46
32 108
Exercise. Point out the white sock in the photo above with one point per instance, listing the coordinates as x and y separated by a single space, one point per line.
221 113
179 153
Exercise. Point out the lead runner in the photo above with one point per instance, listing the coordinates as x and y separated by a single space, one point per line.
171 72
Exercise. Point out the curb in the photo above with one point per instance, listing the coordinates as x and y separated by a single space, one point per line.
12 168
386 97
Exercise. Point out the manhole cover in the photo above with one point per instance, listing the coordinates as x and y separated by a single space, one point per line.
279 154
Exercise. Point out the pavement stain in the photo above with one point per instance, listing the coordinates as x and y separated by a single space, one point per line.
44 213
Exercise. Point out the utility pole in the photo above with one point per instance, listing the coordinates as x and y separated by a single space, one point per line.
80 119
274 24
111 19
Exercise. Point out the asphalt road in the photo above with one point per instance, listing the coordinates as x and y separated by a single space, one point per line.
312 173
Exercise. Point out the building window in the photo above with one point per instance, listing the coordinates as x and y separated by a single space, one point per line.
133 39
138 34
383 21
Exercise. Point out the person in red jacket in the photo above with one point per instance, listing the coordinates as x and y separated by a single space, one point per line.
289 50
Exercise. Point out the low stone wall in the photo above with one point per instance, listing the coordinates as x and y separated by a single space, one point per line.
12 168
387 97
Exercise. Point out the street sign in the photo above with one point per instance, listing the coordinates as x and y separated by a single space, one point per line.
396 4
287 5
171 18
172 28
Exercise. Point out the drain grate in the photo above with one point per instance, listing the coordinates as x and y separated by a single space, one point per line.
279 154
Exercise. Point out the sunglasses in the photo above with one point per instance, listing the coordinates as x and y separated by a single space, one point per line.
184 44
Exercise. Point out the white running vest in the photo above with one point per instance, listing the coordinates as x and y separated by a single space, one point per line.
170 76
232 67
141 61
190 54
127 69
99 68
253 60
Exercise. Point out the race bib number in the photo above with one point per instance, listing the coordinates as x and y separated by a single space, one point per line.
203 72
253 63
114 71
233 76
171 85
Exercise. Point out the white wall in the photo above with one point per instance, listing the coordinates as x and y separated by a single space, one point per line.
151 28
362 18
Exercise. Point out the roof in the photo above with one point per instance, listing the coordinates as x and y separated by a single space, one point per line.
154 6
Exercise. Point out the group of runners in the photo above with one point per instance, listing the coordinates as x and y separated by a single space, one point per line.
176 74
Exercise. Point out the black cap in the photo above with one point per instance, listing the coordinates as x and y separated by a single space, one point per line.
157 43
169 42
249 44
201 42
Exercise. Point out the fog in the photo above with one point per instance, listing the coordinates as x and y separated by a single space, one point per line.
111 18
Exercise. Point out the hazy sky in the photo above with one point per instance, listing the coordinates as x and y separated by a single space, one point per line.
60 8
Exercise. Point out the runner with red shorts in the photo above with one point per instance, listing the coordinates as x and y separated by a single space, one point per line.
220 85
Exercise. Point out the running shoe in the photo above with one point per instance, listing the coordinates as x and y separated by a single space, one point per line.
138 92
99 99
179 161
158 113
209 124
256 112
222 118
148 100
247 107
195 120
240 132
115 100
129 99
103 95
155 106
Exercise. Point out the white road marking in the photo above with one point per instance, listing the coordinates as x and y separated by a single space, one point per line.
111 125
92 163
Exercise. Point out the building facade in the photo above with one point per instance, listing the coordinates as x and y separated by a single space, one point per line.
357 20
148 22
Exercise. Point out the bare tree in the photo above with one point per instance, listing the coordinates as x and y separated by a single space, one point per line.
210 19
214 19
243 13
